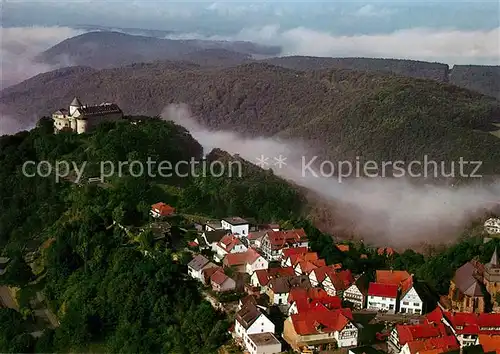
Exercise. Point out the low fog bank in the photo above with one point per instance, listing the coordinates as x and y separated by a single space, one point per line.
380 210
447 46
19 47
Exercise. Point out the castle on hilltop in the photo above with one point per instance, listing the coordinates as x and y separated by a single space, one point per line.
82 118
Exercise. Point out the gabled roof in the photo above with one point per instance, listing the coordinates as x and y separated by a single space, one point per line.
494 259
198 262
219 277
215 236
235 220
282 285
75 103
102 109
383 290
307 299
466 281
208 272
343 248
394 277
467 323
256 235
409 333
265 275
281 239
163 209
237 259
321 321
301 257
248 314
308 266
439 345
228 242
406 286
287 252
341 280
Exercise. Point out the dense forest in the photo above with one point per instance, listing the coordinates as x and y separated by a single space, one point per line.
107 295
338 113
113 291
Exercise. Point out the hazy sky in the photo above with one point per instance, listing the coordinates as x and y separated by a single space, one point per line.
225 17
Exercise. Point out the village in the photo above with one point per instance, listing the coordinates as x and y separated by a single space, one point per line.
282 297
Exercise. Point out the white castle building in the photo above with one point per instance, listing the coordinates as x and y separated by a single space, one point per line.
492 226
82 118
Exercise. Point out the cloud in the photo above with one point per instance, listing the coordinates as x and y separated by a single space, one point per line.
20 45
381 210
448 46
371 11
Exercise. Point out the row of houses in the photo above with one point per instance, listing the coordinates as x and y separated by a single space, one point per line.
443 332
316 298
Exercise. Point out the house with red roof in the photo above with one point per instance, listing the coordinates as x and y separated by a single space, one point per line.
306 267
321 328
467 327
228 244
161 209
335 283
343 248
490 343
302 300
394 277
245 262
275 241
382 297
286 253
292 258
221 282
260 278
431 346
402 334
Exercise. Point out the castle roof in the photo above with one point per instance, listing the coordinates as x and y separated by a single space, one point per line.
76 102
106 108
494 259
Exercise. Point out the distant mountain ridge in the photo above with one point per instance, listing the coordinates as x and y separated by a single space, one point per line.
107 49
103 49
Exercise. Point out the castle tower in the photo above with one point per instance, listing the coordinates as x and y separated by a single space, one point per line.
75 104
494 259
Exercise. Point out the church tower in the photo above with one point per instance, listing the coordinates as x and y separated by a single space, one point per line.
75 104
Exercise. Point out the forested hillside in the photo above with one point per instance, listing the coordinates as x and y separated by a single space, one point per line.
342 113
108 295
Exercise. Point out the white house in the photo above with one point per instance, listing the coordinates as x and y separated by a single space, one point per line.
228 244
251 320
237 225
356 293
197 265
382 297
410 301
263 343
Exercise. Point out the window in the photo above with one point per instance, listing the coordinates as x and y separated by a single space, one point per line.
383 299
416 304
405 303
391 307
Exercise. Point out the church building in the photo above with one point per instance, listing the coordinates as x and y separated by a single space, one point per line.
82 118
